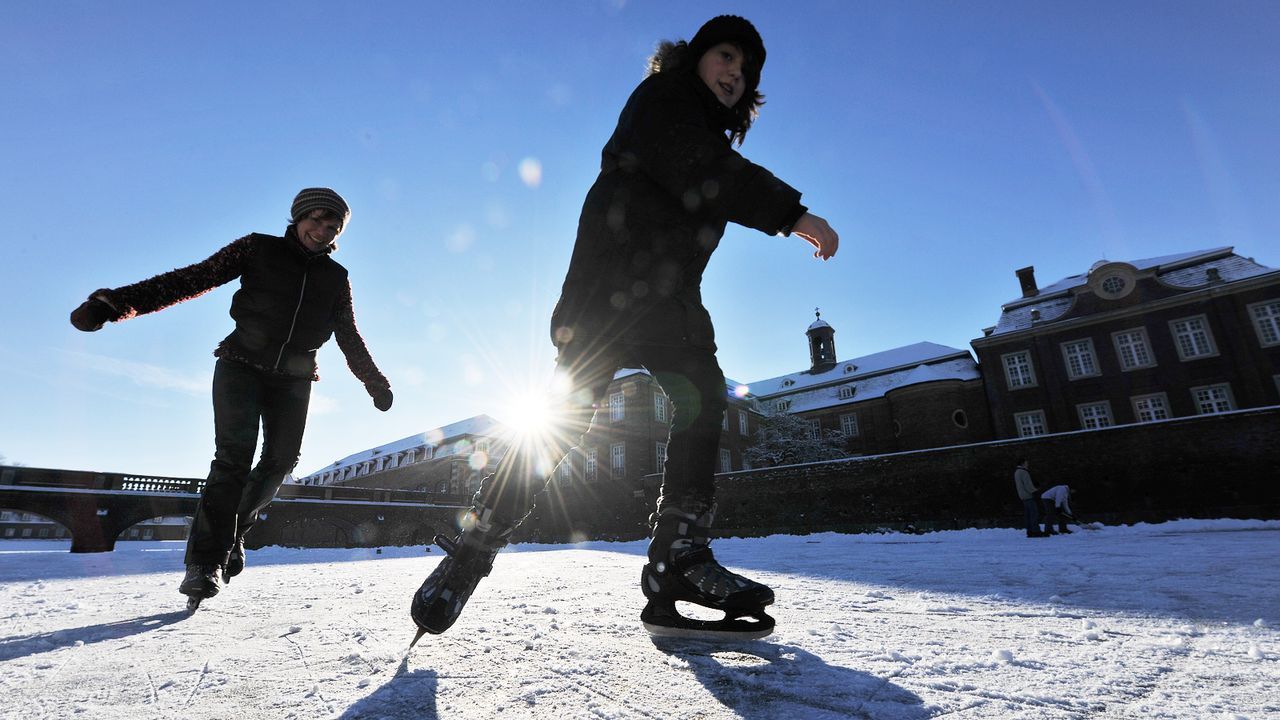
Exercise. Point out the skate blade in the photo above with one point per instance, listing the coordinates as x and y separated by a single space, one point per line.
417 637
685 633
193 603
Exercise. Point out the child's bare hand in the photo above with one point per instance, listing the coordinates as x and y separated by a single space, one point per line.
819 234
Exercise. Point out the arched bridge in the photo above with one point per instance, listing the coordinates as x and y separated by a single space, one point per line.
97 507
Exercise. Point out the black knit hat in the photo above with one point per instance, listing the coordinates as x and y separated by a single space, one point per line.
730 29
319 199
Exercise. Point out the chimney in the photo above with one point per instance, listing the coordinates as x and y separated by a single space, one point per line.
1027 278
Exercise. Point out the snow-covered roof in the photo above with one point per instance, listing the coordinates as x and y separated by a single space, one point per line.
870 387
480 425
860 368
1187 270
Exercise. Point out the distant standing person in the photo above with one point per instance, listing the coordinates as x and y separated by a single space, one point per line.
1057 508
293 296
669 183
1027 494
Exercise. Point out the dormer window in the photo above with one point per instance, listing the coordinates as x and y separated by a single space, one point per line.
788 382
1112 280
846 392
850 368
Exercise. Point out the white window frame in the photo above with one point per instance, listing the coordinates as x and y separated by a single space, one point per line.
1201 337
781 405
724 420
1266 321
1095 415
590 469
845 392
726 461
1130 346
1149 408
1213 399
618 459
1031 423
814 430
1019 371
660 456
849 424
617 407
1080 359
742 423
660 408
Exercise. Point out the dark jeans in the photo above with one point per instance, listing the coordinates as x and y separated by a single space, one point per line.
1032 511
1052 516
243 398
694 384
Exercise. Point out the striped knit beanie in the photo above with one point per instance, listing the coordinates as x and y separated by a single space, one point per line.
319 199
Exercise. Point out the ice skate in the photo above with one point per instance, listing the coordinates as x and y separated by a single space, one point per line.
681 568
200 582
235 561
468 559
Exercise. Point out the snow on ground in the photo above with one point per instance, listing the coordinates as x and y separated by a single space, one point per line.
1177 620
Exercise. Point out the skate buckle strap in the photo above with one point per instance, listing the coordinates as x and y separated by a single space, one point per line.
449 545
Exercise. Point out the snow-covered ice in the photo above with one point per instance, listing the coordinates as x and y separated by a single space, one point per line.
1176 620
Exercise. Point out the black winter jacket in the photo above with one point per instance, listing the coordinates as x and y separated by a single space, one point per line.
669 183
290 302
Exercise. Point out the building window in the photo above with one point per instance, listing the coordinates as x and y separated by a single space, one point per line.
1018 372
1193 338
1095 415
590 470
617 407
1147 408
1030 424
849 425
742 422
660 453
566 469
618 459
846 392
659 407
1133 349
726 462
1211 399
1080 359
724 420
782 405
1266 320
815 430
960 419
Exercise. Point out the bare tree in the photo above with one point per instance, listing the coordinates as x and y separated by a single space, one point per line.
786 439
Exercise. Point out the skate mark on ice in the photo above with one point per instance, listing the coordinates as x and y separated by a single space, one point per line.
196 685
302 655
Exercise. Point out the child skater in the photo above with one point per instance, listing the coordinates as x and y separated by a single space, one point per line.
669 182
293 296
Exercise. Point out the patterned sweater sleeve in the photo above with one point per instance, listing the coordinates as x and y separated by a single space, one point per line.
175 286
352 345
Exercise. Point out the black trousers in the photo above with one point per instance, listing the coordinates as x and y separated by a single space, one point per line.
243 398
694 384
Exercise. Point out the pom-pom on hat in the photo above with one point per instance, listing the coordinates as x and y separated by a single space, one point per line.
730 29
319 199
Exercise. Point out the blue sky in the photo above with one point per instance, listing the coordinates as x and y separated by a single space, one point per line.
949 144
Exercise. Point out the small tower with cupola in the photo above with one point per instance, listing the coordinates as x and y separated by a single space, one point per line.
822 344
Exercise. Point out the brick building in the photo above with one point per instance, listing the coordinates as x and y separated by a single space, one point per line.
918 396
1127 342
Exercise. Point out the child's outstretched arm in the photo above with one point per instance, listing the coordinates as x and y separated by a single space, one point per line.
819 234
163 290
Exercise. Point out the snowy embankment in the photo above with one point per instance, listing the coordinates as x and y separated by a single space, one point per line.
1178 620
